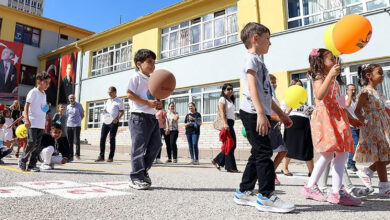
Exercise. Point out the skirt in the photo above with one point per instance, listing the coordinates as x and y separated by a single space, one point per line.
276 138
298 139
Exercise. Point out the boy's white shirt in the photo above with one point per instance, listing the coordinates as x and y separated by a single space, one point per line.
37 100
253 62
138 84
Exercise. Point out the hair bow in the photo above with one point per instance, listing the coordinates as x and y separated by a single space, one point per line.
365 66
315 52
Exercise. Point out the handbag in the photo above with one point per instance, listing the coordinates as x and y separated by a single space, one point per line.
218 122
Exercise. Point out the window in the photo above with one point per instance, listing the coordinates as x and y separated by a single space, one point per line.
211 30
113 58
305 12
33 4
27 75
95 110
64 37
27 35
39 5
28 2
205 99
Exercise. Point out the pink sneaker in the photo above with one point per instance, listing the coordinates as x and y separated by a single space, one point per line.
313 193
277 182
343 198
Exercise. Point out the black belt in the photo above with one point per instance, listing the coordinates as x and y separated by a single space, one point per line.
143 114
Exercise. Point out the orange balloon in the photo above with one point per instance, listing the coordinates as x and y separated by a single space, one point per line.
352 33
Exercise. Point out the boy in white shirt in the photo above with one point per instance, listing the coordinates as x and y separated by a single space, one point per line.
35 117
143 125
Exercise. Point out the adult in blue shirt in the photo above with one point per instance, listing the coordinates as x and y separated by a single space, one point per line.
75 113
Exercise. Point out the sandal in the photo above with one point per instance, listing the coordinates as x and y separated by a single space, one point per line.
216 165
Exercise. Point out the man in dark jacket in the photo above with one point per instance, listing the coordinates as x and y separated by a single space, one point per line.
54 149
8 74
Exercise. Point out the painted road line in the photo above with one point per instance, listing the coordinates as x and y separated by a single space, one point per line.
14 169
92 169
112 185
50 184
17 191
86 192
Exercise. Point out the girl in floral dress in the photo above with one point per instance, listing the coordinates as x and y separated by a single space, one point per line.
330 127
374 141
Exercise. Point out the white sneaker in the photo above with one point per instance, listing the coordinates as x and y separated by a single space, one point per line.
46 167
273 204
196 162
158 161
366 179
358 191
384 189
245 198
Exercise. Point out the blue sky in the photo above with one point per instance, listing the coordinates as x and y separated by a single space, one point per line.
100 15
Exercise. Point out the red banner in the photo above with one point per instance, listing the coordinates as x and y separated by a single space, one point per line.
52 67
68 75
11 56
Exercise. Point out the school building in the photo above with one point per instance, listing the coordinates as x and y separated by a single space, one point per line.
32 36
199 41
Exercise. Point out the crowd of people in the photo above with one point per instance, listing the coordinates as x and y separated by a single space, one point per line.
353 127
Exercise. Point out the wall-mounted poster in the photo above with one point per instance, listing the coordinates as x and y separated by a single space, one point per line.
52 67
68 76
11 56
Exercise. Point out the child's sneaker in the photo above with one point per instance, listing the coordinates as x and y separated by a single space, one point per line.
364 177
139 184
245 198
358 191
45 167
384 189
147 178
22 165
1 162
34 169
273 204
313 193
343 198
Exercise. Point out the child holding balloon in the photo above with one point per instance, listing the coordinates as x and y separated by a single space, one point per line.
4 151
35 115
330 128
374 141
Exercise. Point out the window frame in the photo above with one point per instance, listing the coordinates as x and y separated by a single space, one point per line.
33 33
124 62
187 49
97 108
342 9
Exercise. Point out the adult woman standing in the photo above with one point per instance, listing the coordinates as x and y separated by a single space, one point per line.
173 118
298 138
226 109
193 121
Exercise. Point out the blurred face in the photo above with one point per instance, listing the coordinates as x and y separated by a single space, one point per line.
261 43
7 55
298 84
43 84
72 99
147 67
16 103
61 108
329 61
228 91
191 107
55 133
376 77
6 113
273 82
68 69
111 93
172 107
352 89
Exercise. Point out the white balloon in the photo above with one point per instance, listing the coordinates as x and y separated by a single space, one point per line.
107 119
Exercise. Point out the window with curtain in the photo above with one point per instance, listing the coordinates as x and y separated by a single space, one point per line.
208 31
113 58
306 12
